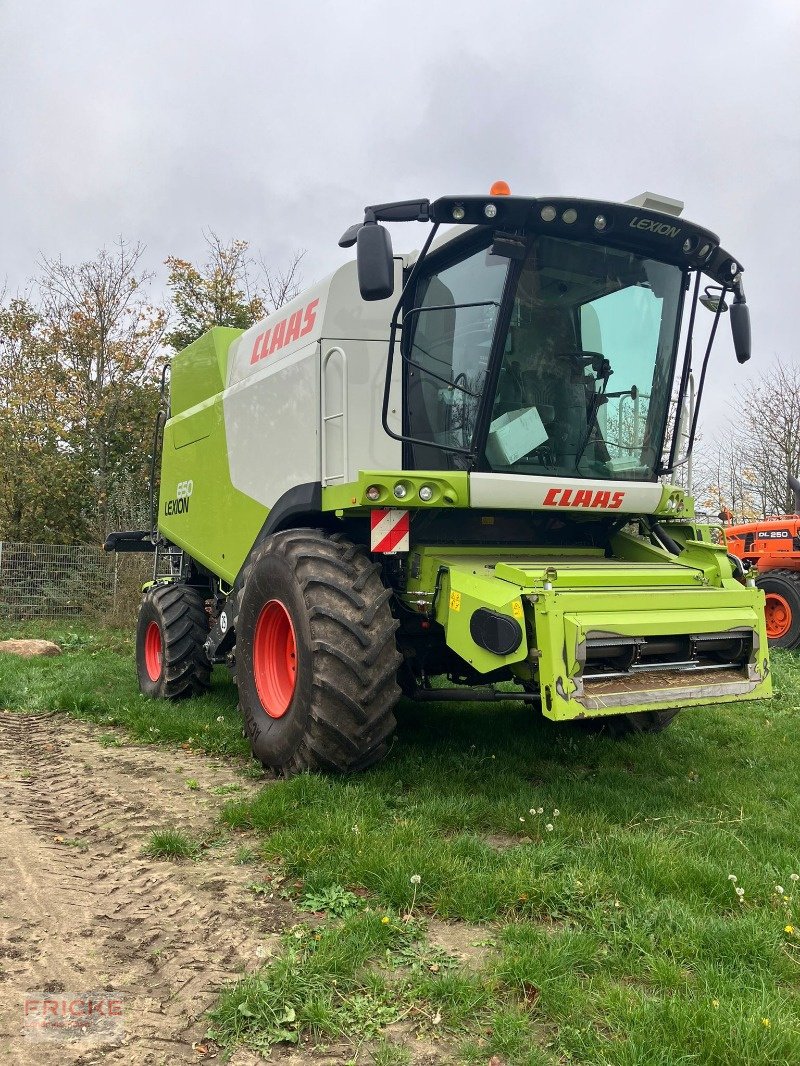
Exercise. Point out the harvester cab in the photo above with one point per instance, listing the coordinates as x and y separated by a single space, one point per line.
441 473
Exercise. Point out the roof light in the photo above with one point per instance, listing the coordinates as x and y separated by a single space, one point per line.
500 188
570 216
458 212
548 214
490 210
600 222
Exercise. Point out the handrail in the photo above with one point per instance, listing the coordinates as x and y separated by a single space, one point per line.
326 477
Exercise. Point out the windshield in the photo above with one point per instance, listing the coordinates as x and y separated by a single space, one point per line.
454 323
586 361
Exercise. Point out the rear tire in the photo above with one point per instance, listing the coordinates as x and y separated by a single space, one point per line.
170 632
316 659
782 607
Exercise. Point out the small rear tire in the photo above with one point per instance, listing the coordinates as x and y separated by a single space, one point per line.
170 633
782 607
316 657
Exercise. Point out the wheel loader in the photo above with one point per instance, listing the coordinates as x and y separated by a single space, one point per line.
442 475
771 547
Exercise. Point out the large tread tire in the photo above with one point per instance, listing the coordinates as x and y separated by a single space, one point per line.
170 633
782 588
623 725
340 713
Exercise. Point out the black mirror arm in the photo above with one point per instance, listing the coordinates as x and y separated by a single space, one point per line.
699 397
401 211
393 328
685 374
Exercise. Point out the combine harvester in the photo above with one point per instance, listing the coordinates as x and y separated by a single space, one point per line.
439 473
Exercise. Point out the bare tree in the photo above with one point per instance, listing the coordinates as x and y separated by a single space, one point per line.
771 439
281 286
108 338
748 465
226 290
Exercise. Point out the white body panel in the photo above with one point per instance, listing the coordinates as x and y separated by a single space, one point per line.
282 418
525 491
303 404
271 425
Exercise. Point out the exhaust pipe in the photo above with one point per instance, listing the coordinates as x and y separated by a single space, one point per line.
794 485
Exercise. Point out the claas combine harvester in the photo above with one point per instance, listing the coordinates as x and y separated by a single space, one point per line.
441 474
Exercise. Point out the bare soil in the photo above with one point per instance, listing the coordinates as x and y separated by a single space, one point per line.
82 910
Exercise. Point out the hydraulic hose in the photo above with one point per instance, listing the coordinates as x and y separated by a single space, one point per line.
670 544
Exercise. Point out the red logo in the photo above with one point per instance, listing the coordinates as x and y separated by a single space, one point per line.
600 498
284 332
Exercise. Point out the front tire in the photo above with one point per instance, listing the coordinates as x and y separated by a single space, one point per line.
782 607
170 632
316 659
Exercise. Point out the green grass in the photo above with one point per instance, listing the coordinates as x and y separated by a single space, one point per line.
95 679
171 844
317 985
619 937
622 917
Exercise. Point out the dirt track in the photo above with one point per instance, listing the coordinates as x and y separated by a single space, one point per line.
81 909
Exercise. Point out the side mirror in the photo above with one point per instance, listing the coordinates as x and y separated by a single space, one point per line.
740 328
375 263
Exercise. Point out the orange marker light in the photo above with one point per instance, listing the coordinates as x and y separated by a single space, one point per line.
500 188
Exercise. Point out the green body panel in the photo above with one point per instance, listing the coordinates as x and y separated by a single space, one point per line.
467 585
200 371
567 595
220 524
450 489
562 621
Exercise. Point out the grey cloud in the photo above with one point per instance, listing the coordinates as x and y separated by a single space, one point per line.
279 123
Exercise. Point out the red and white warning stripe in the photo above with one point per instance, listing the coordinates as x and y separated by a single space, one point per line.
389 530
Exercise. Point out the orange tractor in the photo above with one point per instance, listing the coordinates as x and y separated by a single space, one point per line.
772 546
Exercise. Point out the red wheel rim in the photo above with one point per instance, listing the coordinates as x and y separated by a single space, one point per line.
275 659
152 651
778 615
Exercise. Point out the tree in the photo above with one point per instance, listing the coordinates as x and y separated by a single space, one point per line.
226 290
748 467
729 484
40 497
107 337
771 437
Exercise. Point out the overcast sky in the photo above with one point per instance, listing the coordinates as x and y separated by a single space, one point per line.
278 122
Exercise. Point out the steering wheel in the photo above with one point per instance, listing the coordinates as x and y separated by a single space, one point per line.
596 360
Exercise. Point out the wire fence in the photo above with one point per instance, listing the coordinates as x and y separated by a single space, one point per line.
56 582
